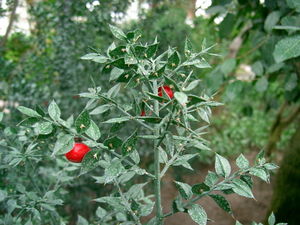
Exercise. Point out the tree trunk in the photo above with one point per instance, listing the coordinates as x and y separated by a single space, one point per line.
10 23
286 197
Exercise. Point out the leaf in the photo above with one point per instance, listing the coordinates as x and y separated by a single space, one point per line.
83 122
185 190
64 143
271 166
174 60
262 84
90 161
200 188
188 47
241 188
82 221
198 214
192 85
100 109
228 66
271 20
117 120
261 173
181 98
113 142
129 144
222 166
287 48
211 178
113 92
117 32
28 112
271 219
3 195
222 202
54 111
113 170
242 162
94 57
151 50
115 73
45 128
93 131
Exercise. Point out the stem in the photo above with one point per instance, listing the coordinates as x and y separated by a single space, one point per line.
157 187
127 205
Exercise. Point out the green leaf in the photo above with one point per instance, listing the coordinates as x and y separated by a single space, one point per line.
95 57
45 128
100 109
174 60
1 116
211 178
82 221
287 48
294 4
198 214
271 20
238 223
117 120
28 112
200 188
262 84
64 143
151 50
54 111
248 179
129 144
113 170
188 47
222 202
117 32
271 219
114 91
228 66
93 131
241 188
271 166
3 195
261 173
115 73
83 122
181 97
185 190
242 162
192 85
113 142
90 161
222 166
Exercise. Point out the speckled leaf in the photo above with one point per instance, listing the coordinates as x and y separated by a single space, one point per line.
93 131
185 190
222 166
198 214
90 161
83 122
222 202
129 145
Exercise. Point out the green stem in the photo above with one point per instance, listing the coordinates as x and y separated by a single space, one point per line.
157 187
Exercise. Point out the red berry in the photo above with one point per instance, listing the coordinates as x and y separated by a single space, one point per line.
167 89
143 113
77 153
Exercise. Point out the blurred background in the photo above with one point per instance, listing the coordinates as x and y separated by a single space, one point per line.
255 74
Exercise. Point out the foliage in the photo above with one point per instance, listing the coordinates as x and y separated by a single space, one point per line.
170 124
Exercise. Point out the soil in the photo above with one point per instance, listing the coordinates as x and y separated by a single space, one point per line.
244 210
